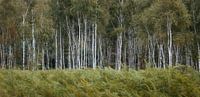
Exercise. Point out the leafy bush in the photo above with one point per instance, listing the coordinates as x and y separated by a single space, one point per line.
174 82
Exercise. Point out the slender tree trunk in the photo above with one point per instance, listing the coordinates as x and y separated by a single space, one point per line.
48 67
23 44
125 54
1 51
177 55
10 57
94 46
199 56
93 60
161 57
43 59
119 51
79 42
149 53
119 40
85 43
169 32
14 56
61 53
130 50
23 38
109 55
69 45
138 52
73 47
134 53
69 49
3 57
38 58
33 42
56 45
30 59
187 54
100 53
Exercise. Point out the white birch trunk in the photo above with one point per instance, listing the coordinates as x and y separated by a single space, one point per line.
23 39
81 51
61 53
85 43
161 57
48 67
33 43
119 51
95 47
30 60
177 55
130 50
187 53
73 47
56 45
199 56
1 51
38 58
3 58
69 45
10 59
93 61
43 65
79 43
100 53
119 40
69 50
23 45
125 55
169 32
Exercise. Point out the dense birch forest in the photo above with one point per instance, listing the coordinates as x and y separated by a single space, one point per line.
80 34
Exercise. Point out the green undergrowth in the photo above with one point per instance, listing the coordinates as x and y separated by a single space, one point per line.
176 82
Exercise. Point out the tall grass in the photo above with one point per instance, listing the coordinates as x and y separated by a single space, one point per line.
100 83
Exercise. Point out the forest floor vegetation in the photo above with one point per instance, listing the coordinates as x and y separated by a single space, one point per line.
173 82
